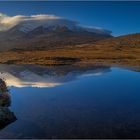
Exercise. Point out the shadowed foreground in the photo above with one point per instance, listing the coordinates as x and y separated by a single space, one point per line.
6 116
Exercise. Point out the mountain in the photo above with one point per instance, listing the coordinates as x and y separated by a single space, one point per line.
40 34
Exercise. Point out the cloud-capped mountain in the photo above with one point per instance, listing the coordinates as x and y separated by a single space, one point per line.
44 31
29 23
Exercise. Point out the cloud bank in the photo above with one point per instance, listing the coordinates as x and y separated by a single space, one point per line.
7 22
31 22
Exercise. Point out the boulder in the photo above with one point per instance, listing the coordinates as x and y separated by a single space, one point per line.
6 116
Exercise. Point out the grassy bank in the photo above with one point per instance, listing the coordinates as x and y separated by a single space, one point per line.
81 54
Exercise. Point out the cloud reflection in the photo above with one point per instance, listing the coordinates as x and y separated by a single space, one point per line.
38 76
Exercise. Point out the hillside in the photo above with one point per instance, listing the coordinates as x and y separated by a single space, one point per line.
47 41
106 52
126 41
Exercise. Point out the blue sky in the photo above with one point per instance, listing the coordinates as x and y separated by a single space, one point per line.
119 17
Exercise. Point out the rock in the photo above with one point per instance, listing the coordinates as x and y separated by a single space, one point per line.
4 94
5 99
6 117
3 87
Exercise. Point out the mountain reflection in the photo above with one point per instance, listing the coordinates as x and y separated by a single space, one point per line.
44 76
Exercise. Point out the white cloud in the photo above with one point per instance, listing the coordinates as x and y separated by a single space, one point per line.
7 22
31 22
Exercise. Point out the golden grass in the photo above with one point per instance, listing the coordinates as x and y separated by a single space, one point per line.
79 54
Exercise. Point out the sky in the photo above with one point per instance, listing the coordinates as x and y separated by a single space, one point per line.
122 17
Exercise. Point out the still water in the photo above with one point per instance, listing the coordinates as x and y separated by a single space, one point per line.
72 102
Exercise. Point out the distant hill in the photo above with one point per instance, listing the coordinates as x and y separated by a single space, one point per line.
131 41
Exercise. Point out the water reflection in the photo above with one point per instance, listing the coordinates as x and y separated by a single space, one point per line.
92 102
41 76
